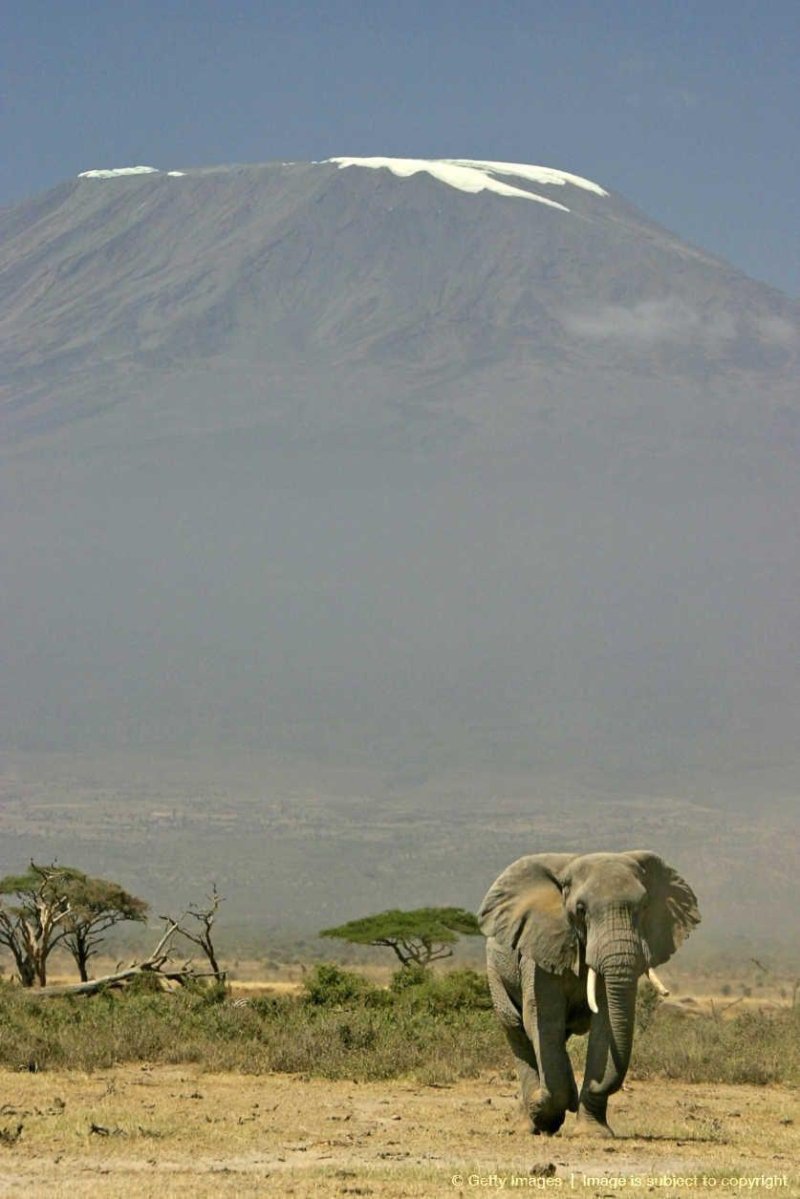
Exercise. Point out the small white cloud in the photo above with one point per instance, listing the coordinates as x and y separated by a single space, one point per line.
777 331
651 321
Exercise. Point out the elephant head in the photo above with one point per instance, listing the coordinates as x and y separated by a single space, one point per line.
604 917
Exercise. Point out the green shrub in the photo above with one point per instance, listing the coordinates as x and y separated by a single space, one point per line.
412 975
466 990
330 986
446 994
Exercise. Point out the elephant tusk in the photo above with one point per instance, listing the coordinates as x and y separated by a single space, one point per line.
657 983
591 987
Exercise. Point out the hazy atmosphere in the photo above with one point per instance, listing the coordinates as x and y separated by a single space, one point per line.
370 521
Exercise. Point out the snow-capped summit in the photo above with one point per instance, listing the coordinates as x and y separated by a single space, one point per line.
475 175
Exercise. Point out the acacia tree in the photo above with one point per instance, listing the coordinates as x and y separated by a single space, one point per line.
417 937
54 904
96 905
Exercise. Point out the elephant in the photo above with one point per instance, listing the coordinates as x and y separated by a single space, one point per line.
568 936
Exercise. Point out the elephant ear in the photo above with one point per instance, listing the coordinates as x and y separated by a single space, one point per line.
671 912
524 910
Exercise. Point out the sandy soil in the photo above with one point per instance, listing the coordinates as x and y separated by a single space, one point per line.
138 1131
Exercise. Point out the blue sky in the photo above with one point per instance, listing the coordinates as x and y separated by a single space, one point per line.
689 109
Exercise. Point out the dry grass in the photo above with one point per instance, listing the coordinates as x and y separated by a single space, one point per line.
347 1028
266 1034
163 1131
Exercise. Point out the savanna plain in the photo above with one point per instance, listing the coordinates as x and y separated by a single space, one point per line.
331 1081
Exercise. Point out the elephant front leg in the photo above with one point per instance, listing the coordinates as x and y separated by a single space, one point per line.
593 1104
526 1067
544 1018
504 975
596 1088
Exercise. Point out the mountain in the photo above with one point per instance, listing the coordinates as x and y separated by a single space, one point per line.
353 298
435 470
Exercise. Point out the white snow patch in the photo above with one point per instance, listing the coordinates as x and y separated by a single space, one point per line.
112 173
115 171
474 175
545 175
465 176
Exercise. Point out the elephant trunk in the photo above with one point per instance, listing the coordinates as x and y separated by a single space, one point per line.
616 954
621 1005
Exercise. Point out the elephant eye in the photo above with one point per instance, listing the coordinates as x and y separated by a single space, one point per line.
580 909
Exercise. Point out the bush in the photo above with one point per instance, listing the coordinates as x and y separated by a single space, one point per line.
409 976
466 989
146 983
754 1047
445 994
330 986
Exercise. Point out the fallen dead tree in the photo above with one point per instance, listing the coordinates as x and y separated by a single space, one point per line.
159 965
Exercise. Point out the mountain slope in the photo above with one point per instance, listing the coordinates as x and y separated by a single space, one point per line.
346 462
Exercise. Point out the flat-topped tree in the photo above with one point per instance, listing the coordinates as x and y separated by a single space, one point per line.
51 905
96 905
417 937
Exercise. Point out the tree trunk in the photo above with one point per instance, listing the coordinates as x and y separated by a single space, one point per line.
26 972
80 952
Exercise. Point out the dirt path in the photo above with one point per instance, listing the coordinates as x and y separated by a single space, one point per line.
133 1132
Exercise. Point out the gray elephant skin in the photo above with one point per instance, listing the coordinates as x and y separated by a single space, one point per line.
569 936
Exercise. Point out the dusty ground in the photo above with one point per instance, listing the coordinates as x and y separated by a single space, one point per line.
136 1131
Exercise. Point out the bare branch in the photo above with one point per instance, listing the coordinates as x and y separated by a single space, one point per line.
202 936
173 928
